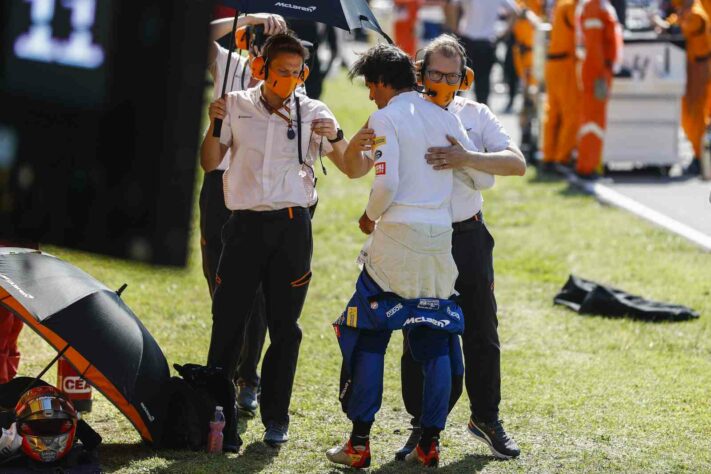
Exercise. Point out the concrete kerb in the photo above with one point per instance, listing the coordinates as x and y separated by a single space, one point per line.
608 195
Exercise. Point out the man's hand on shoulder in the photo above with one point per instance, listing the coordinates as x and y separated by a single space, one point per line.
451 157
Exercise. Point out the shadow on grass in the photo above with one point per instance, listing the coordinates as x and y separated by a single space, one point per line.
470 463
254 458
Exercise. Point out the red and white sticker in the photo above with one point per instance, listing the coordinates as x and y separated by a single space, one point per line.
379 168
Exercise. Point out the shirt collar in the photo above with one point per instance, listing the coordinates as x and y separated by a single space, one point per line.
405 96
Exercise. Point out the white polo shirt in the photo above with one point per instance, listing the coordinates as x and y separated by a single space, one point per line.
239 76
487 134
264 172
406 188
480 16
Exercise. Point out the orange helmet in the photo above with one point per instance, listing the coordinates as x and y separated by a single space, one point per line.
47 422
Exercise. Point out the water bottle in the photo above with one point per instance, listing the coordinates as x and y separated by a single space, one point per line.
215 438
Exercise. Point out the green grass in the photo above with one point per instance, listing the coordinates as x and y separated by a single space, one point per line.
580 394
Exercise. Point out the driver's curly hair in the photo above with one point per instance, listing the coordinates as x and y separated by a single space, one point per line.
386 64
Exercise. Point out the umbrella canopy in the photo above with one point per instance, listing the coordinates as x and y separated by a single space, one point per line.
106 342
344 14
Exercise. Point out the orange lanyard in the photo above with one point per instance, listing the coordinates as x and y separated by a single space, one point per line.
272 110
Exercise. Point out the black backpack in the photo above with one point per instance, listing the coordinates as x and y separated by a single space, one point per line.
192 400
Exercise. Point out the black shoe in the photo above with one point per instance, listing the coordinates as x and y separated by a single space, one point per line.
549 167
410 444
276 434
493 435
594 176
247 398
694 168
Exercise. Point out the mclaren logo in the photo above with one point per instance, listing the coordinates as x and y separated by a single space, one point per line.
310 9
14 285
421 319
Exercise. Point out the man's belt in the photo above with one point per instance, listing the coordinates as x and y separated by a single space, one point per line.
469 224
286 213
557 56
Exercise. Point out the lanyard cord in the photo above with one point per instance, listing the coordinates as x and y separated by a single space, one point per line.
274 111
298 127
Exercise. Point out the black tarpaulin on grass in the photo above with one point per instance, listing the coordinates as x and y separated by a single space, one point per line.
589 297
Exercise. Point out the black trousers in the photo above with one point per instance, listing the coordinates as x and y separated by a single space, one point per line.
481 56
273 250
213 215
472 247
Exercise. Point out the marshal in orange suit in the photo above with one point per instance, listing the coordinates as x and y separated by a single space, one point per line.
524 32
600 35
695 26
562 113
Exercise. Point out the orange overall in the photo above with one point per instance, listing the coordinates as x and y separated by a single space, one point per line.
707 8
562 112
694 105
524 33
600 35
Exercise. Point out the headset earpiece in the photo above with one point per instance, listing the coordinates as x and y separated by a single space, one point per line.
419 73
304 74
242 36
259 68
467 79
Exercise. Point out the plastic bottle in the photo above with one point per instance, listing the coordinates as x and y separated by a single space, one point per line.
215 437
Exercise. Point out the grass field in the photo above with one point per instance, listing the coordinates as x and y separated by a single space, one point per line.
580 394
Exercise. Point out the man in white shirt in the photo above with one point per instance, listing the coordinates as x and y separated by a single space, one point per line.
274 134
409 258
214 214
477 29
472 247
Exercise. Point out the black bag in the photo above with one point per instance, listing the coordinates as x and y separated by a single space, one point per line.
588 297
192 399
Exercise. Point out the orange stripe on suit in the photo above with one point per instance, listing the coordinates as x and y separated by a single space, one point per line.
562 109
600 35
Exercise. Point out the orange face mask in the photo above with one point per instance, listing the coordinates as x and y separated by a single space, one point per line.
440 93
281 86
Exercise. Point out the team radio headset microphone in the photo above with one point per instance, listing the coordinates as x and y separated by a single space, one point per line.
443 92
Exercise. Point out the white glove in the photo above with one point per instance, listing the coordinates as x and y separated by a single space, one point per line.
10 442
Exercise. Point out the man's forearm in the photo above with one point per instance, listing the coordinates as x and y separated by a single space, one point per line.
355 163
223 26
508 162
211 151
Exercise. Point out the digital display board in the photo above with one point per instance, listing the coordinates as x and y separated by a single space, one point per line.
55 48
101 104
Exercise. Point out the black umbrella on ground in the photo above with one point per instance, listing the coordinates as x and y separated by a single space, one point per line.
344 14
97 333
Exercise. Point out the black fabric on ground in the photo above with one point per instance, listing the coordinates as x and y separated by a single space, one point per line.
589 297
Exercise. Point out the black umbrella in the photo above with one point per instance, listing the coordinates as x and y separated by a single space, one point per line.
97 333
344 14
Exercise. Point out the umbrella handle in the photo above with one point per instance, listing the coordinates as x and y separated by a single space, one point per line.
217 129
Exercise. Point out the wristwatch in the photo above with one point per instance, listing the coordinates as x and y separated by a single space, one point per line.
339 136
